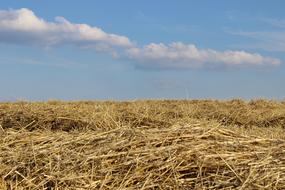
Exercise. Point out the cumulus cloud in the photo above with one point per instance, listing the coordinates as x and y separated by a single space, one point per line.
24 27
180 55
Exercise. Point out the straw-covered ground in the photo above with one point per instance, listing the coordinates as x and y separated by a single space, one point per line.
143 145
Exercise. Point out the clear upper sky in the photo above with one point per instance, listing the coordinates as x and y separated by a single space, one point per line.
127 49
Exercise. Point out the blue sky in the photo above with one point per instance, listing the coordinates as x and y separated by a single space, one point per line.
125 50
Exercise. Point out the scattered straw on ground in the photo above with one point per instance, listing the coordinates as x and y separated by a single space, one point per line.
142 145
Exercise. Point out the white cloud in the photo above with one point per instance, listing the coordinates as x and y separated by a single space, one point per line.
24 27
179 55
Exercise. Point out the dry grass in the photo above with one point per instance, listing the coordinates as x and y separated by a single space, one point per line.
143 145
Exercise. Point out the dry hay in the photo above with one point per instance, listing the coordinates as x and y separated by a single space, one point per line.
126 146
68 116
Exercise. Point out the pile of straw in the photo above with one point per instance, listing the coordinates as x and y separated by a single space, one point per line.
199 154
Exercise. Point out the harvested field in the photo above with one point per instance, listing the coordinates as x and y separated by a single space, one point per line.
199 144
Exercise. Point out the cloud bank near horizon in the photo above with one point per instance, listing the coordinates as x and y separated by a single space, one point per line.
23 27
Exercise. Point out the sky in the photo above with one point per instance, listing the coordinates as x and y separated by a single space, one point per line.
129 50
